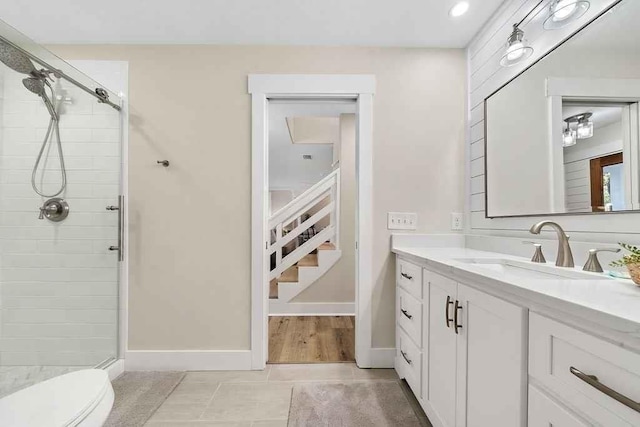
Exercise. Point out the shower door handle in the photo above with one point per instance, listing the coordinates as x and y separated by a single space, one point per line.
120 209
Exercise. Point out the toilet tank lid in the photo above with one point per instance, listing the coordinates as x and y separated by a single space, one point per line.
60 401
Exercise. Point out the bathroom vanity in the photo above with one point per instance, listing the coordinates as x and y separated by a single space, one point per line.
488 339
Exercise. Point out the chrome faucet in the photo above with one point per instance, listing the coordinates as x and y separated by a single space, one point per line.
565 257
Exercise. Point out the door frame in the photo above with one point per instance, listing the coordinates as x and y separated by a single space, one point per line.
596 167
262 87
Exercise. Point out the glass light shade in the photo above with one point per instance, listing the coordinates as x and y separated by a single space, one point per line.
585 129
563 12
516 53
569 137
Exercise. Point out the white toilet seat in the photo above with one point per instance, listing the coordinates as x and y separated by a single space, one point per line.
81 398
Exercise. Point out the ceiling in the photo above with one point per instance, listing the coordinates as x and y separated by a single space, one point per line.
602 115
423 23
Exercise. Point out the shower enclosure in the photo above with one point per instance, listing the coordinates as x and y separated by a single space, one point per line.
61 212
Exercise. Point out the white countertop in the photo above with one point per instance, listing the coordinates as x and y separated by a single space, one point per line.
612 303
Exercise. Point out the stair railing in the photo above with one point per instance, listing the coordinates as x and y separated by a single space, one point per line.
287 224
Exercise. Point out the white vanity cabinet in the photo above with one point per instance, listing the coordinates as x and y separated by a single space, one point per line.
473 353
481 347
598 379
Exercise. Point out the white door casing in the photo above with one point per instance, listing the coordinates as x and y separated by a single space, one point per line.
263 87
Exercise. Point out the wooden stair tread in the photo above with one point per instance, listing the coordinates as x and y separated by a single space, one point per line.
289 275
327 246
273 289
310 260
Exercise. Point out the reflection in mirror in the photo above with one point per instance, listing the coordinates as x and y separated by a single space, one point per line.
594 156
562 137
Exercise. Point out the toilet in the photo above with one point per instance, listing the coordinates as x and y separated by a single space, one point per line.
82 398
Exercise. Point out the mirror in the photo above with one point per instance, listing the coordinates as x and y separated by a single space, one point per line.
562 137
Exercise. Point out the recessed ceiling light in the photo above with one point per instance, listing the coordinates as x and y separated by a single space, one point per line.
459 9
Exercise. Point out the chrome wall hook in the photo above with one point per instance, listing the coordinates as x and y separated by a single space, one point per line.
164 163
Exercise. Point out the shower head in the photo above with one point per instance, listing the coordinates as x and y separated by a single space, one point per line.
14 59
37 86
34 85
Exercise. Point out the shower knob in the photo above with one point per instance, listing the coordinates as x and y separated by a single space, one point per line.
55 209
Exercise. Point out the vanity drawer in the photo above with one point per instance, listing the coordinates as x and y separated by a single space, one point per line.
545 412
409 316
409 362
409 276
562 358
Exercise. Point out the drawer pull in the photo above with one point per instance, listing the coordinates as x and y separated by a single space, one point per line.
456 326
446 311
406 276
406 313
404 355
592 380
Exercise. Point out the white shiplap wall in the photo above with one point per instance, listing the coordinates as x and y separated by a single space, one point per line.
58 281
485 77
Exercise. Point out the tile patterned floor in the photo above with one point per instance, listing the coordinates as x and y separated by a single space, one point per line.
250 398
14 378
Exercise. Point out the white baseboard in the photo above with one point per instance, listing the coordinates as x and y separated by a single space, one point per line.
382 357
187 360
115 369
278 308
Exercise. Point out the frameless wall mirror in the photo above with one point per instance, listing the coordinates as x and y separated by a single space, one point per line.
562 137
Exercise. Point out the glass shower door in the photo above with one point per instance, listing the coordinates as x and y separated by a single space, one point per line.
59 263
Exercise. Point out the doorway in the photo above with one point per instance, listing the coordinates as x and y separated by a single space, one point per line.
311 220
607 183
265 89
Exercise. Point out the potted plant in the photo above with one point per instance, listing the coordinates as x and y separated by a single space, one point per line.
631 261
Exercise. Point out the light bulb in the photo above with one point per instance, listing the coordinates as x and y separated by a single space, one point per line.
459 9
563 12
515 51
585 129
563 9
569 137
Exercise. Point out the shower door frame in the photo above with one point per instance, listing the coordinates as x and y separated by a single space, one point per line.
361 88
120 68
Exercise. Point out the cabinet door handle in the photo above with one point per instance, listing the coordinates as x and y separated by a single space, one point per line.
446 311
406 276
456 326
593 381
406 313
404 355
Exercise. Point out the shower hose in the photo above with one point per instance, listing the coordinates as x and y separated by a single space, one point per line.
53 133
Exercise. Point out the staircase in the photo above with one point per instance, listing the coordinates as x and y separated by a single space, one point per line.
299 257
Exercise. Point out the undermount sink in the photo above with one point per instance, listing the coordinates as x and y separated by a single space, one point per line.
528 270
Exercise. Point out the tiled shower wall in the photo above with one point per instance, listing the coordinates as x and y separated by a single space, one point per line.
58 281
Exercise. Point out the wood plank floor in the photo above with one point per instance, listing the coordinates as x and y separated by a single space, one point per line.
311 339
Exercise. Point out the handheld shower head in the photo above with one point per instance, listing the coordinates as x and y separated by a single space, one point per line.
14 59
37 86
34 85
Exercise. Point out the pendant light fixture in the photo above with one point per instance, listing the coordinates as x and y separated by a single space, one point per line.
585 126
569 137
583 129
563 12
517 48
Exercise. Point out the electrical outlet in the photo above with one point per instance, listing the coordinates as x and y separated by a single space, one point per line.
402 221
456 221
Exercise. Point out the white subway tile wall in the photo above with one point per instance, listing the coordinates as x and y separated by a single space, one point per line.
58 281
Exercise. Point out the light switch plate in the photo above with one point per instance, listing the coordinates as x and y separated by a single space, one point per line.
402 221
456 221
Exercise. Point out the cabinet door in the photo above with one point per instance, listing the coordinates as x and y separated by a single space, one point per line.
544 412
491 361
442 350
